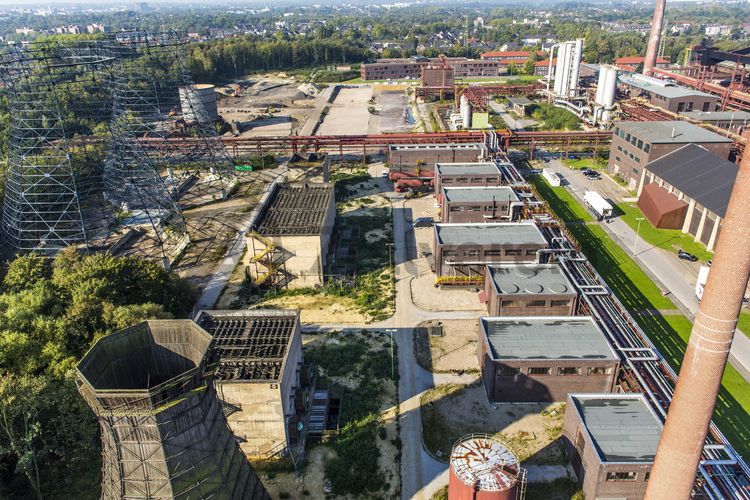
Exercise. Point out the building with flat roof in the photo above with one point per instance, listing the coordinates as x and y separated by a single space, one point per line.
669 96
520 105
611 440
409 155
260 377
528 290
544 358
688 189
462 251
290 235
466 174
412 67
478 204
734 121
635 144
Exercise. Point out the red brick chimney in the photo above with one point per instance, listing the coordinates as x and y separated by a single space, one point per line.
652 50
689 415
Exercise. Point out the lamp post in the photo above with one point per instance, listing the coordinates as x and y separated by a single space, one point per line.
638 230
391 331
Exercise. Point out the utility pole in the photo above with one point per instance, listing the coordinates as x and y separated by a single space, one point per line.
391 331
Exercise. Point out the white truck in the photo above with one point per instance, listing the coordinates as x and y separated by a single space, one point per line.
700 283
552 177
597 204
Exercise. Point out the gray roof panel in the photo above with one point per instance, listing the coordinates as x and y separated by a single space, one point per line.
622 427
700 174
548 338
492 193
520 279
483 168
510 233
671 132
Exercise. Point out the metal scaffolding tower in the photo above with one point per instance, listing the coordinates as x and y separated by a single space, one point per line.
167 115
58 94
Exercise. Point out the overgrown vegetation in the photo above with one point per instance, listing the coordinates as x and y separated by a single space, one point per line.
553 118
51 311
364 359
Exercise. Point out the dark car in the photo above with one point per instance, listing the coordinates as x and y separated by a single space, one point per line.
687 256
593 174
423 222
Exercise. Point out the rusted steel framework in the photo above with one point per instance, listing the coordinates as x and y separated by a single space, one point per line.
479 95
730 98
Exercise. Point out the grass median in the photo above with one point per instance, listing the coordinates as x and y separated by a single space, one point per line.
638 293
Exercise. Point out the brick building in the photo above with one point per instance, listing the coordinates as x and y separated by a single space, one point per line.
543 358
409 155
403 68
467 174
669 96
478 204
611 440
688 189
462 251
528 290
635 144
260 377
438 76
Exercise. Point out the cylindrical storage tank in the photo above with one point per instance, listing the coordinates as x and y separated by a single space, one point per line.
465 112
567 56
610 87
559 72
198 102
483 468
600 83
576 64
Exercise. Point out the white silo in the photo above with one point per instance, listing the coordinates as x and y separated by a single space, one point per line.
465 109
600 84
560 72
576 64
610 87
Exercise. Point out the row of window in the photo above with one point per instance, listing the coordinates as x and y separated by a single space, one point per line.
628 154
535 303
509 371
632 140
625 476
478 208
451 180
489 253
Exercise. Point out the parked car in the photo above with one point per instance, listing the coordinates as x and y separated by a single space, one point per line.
686 256
423 222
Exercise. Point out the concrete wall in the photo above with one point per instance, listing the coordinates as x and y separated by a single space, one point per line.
258 421
428 156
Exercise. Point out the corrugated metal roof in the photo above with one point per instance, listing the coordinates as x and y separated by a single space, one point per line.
698 173
659 87
715 116
622 427
546 338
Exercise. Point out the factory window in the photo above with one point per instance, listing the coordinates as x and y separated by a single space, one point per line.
627 137
689 106
568 370
619 148
633 140
450 253
513 251
539 371
530 253
706 106
457 209
680 107
647 148
477 179
474 208
559 303
493 253
640 144
600 370
471 253
621 476
462 179
536 303
617 158
646 476
635 171
447 180
508 371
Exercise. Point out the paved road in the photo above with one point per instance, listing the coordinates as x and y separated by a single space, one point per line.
671 273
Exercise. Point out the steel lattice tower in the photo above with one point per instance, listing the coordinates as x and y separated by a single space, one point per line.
58 94
151 75
164 433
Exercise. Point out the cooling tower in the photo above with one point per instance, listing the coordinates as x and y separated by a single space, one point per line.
198 102
164 434
484 468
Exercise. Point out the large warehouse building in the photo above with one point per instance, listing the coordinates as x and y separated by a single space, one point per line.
635 144
611 441
544 358
669 96
260 377
409 155
688 189
528 290
462 251
289 239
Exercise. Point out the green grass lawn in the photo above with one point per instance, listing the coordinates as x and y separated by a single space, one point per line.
668 239
581 163
637 292
744 322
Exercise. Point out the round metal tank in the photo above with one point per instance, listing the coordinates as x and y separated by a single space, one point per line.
465 109
198 102
610 87
484 468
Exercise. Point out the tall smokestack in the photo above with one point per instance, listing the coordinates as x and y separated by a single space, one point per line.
689 415
654 37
